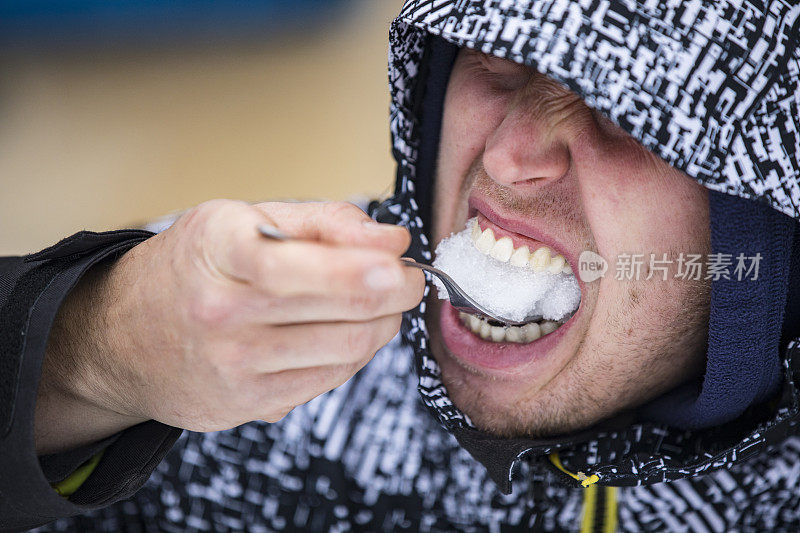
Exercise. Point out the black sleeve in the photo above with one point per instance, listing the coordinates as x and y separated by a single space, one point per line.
31 291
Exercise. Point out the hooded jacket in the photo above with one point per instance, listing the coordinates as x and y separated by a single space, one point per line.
710 87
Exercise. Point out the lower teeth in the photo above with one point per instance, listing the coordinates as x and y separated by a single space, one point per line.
517 334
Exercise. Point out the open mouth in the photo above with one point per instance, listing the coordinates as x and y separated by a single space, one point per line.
487 350
522 277
541 259
524 282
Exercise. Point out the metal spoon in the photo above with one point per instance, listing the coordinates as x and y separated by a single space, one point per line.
458 298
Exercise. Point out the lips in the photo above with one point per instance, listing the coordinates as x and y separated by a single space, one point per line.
474 351
521 232
484 353
504 246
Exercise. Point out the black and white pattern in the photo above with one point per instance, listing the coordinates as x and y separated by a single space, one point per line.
364 457
367 457
711 87
683 78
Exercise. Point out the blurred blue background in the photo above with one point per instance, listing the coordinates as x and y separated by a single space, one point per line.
115 112
27 23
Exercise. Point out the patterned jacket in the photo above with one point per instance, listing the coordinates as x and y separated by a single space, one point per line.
712 88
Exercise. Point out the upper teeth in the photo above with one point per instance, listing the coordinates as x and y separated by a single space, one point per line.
502 249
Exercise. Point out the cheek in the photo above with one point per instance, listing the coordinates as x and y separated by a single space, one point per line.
469 118
636 203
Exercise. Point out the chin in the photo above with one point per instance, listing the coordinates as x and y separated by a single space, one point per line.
489 380
496 409
505 402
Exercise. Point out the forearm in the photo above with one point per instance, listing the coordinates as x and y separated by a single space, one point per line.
33 289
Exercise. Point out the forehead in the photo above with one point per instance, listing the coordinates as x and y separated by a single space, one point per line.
484 69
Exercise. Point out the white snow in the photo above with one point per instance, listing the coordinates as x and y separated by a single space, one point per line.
508 291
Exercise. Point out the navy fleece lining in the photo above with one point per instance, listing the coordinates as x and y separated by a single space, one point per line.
430 108
743 363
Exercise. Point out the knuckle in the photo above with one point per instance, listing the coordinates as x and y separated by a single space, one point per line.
223 366
393 324
344 372
365 304
276 309
347 371
207 209
211 210
279 348
355 366
199 219
384 332
211 307
277 409
272 274
358 341
344 210
237 356
323 379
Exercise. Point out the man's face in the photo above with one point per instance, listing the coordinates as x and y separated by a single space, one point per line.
533 162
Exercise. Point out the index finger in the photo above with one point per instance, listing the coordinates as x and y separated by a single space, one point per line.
337 223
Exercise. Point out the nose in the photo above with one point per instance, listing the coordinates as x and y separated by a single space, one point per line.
531 144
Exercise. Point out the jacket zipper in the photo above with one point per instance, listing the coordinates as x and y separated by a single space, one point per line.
599 510
599 503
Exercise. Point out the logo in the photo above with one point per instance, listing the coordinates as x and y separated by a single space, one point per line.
591 266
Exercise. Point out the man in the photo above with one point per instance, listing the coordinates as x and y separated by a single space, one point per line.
641 130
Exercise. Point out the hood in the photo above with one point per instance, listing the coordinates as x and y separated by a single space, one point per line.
710 87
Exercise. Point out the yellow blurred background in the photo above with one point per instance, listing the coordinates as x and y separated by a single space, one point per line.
102 140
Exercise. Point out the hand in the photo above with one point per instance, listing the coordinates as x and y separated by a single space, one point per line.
208 325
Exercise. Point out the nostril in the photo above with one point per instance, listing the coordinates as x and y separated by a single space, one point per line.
526 161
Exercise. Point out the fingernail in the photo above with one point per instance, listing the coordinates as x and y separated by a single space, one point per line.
383 278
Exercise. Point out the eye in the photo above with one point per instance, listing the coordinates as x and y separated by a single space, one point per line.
503 74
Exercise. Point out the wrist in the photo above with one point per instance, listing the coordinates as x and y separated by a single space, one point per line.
63 421
81 399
